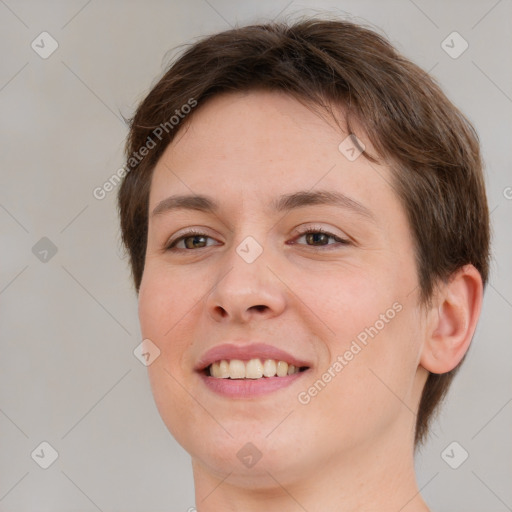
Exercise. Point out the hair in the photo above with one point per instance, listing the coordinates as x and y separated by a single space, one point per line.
431 148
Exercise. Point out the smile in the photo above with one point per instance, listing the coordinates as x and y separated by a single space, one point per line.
244 370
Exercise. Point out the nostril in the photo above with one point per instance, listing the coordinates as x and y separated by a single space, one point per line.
260 308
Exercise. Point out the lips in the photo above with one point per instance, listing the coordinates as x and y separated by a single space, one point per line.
250 370
245 353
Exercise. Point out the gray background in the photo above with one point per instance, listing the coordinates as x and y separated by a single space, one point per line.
69 320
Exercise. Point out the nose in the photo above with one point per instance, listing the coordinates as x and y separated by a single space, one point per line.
246 291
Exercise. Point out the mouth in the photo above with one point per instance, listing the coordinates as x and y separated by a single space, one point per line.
252 369
242 371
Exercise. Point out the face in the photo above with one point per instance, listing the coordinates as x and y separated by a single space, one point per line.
299 254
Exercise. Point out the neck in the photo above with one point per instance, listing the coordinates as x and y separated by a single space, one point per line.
379 476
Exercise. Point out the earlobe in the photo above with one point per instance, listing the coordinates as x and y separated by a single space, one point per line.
452 321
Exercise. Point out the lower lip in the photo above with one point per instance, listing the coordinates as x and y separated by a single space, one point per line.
247 388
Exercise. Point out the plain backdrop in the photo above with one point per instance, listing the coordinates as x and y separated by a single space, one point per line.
68 311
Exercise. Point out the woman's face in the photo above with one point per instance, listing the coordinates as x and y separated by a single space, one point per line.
276 272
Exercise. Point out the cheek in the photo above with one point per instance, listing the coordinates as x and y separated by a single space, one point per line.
165 301
373 383
373 346
163 313
350 302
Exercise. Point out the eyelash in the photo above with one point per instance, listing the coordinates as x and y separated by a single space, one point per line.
192 233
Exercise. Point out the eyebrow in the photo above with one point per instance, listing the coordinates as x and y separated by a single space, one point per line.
284 203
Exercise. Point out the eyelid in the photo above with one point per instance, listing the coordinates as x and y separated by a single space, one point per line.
317 228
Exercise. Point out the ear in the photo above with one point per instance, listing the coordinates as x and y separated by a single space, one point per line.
452 320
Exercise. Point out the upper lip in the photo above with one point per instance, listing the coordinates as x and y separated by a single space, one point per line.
245 352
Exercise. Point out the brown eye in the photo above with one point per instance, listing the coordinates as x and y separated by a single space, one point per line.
190 241
193 242
317 238
320 238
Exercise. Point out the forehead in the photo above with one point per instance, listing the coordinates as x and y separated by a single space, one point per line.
253 145
241 124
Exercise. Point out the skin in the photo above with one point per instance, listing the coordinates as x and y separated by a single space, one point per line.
351 447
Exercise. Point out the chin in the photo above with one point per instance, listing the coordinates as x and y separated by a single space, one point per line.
252 457
251 467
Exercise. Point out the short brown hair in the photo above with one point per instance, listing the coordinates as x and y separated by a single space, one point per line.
432 149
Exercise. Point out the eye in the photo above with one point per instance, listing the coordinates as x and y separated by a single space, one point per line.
315 237
191 240
318 237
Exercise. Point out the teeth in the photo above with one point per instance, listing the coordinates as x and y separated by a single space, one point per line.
252 369
236 369
282 369
269 368
224 369
215 370
220 369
